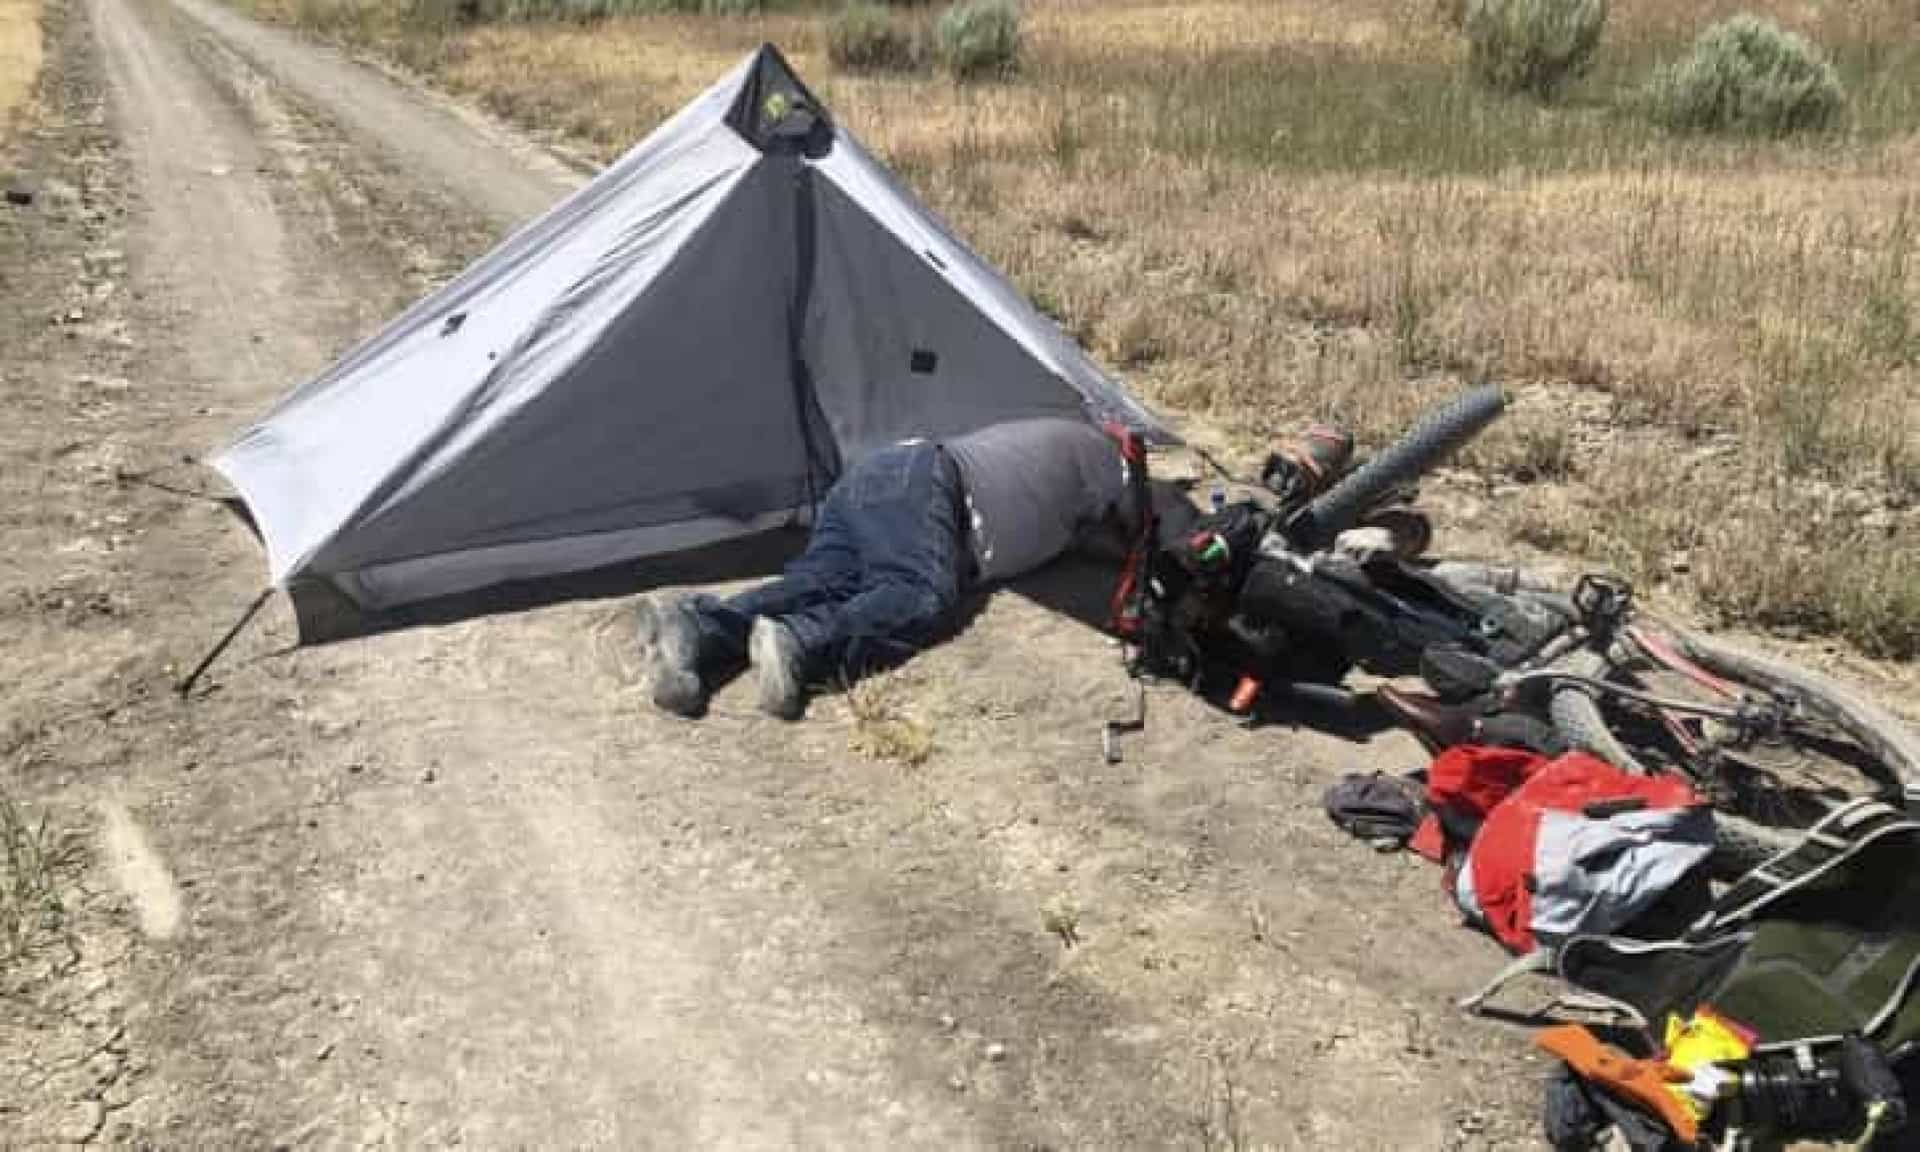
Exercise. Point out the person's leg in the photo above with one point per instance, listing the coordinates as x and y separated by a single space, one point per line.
881 627
908 533
693 643
668 632
826 572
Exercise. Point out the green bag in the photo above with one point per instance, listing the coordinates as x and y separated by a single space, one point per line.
1821 941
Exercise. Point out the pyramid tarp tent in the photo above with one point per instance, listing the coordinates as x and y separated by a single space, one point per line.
686 350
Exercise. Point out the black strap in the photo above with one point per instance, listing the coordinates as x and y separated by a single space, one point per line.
1837 838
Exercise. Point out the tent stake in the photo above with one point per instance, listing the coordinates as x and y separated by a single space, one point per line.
253 609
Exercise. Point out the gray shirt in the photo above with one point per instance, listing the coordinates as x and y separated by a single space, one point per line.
1032 486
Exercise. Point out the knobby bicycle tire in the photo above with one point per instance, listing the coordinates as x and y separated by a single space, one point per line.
1576 714
1432 440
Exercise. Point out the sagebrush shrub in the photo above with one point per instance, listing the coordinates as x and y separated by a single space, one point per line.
1535 46
1747 74
864 37
979 38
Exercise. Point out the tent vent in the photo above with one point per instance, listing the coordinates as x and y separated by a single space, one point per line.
453 324
924 361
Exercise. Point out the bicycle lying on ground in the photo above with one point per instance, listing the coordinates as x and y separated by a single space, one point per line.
1265 600
1276 598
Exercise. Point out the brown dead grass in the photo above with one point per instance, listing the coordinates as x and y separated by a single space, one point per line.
19 56
1260 212
883 728
1097 30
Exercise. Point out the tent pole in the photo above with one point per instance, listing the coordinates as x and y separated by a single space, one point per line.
206 662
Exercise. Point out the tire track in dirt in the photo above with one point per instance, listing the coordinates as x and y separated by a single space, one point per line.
457 150
218 251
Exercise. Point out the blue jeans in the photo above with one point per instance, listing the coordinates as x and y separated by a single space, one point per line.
880 580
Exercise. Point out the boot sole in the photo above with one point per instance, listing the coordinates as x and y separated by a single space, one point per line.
780 693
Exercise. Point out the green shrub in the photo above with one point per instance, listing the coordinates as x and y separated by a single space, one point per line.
979 38
864 37
1534 46
1746 74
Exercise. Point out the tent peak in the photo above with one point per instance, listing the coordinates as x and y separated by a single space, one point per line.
775 112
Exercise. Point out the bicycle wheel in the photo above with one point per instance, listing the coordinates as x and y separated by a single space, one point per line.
1773 746
1436 437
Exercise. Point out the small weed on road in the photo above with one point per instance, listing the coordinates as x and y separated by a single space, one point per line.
31 913
881 729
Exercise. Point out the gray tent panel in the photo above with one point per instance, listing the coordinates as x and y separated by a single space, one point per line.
884 202
897 351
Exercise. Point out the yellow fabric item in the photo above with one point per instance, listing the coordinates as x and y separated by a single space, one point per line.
1698 1046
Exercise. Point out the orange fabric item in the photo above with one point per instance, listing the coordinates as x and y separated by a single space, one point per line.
1641 1082
1430 840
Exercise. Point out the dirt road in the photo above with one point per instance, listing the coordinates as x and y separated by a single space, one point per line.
457 885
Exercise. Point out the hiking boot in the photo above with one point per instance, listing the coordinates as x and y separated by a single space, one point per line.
669 637
776 663
1437 724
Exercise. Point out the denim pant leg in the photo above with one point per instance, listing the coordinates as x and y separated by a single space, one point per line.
903 514
887 624
827 572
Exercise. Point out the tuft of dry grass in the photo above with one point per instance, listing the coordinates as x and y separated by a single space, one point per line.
1261 211
31 912
19 56
882 729
1530 445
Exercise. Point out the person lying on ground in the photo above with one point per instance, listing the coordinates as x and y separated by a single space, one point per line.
899 541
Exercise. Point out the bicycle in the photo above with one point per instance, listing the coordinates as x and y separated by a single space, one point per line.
1263 598
1801 771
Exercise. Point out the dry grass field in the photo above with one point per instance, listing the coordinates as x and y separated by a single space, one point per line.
1261 211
